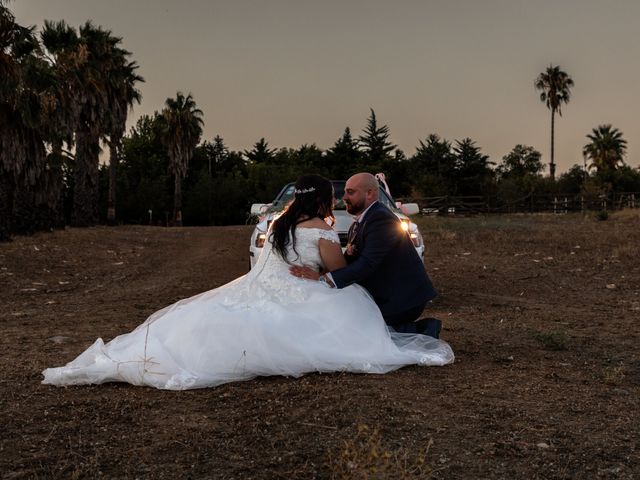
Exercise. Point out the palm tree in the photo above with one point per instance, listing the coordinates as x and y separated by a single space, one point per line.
11 155
555 89
61 43
180 126
89 65
122 95
23 108
97 87
606 148
98 57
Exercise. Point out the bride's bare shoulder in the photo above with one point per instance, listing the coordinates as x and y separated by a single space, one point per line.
314 223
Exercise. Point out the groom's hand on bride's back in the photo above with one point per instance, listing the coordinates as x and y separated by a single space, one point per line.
304 272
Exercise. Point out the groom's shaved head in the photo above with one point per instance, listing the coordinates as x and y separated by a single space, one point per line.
360 191
366 181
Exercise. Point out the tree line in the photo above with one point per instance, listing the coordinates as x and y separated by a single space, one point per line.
64 91
221 184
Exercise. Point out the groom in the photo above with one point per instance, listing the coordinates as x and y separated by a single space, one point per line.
381 258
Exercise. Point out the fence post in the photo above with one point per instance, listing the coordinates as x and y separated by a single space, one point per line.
581 203
555 201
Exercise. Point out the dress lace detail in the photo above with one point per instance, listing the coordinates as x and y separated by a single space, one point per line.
267 322
330 235
270 279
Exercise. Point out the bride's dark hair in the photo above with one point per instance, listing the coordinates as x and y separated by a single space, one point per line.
313 198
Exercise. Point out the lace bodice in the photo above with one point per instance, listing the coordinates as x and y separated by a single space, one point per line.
270 280
307 251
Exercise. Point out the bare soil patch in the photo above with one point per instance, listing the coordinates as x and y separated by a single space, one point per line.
542 312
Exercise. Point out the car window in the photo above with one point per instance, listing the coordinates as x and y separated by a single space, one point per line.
285 196
386 200
338 188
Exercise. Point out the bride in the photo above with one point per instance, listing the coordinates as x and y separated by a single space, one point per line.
267 322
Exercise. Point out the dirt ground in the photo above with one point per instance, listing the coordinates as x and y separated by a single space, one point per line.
541 311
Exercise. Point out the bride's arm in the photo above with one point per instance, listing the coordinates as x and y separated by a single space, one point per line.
331 255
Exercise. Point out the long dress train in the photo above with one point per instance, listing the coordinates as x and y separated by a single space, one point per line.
266 322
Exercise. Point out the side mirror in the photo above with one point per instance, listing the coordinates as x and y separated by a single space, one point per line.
258 208
410 208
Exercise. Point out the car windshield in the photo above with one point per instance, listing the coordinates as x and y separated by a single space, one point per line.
286 195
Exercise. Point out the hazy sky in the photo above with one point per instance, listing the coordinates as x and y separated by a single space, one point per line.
298 71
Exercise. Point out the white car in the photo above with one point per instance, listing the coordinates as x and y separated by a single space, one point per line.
267 212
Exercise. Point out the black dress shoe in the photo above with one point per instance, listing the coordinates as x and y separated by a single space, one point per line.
429 326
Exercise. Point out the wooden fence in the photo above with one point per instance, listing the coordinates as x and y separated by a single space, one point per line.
534 203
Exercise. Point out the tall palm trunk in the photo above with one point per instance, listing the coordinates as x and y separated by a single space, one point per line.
85 189
6 205
28 195
114 157
177 202
552 165
55 183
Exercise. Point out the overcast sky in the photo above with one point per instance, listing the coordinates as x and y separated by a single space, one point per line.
299 71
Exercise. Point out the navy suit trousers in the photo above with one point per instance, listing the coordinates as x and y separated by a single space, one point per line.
404 322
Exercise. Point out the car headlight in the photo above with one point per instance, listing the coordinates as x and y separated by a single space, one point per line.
412 230
260 239
416 239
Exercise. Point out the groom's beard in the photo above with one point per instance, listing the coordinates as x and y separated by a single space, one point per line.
354 208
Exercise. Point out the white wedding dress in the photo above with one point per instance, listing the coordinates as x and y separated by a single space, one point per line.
267 322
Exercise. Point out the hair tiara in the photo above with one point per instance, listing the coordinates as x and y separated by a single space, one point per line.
305 190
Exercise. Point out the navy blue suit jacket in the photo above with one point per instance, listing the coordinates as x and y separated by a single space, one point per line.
386 263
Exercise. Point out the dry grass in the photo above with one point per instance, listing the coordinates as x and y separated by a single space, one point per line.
614 375
628 214
367 456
